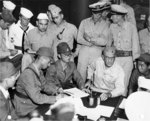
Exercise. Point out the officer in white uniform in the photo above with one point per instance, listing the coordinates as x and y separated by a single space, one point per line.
19 30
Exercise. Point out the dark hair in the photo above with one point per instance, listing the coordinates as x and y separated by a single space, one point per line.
147 63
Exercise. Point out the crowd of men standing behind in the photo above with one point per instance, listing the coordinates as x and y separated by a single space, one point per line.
111 55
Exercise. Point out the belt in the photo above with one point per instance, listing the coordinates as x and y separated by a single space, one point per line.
18 47
121 53
21 95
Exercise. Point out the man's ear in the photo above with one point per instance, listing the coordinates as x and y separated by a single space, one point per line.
37 23
62 16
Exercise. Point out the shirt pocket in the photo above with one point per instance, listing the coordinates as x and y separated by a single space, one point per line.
35 45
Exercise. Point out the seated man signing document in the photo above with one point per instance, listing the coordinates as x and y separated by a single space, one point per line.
106 76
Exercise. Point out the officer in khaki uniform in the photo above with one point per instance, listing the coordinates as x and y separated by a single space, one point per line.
8 77
144 36
36 38
63 30
31 83
92 36
63 73
124 36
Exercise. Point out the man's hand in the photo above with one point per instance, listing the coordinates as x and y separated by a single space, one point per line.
31 52
87 90
105 96
86 37
13 52
60 90
88 84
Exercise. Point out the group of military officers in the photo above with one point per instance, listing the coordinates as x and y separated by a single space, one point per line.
108 45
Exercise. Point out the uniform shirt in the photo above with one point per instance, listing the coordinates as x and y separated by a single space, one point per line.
133 85
125 38
36 39
9 44
67 78
16 33
69 34
4 106
107 79
4 52
31 84
144 36
97 31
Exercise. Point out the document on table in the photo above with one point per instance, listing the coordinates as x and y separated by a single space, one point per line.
77 93
122 105
105 110
95 113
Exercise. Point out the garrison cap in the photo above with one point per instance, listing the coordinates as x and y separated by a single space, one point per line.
45 51
110 51
7 70
63 48
55 11
144 57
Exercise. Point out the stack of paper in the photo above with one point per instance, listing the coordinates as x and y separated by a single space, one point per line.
74 92
95 113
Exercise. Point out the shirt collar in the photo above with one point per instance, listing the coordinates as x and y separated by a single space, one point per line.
123 26
42 33
36 69
19 23
5 92
99 21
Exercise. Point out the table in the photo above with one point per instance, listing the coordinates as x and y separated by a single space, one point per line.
112 102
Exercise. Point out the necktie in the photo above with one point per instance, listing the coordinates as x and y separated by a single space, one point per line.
23 38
